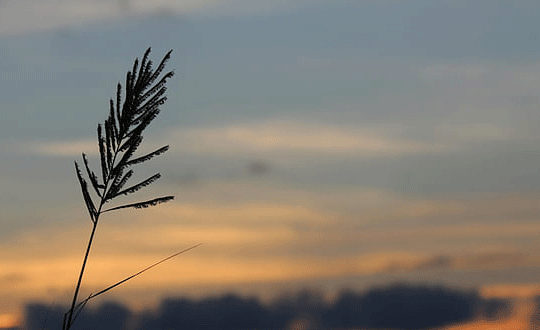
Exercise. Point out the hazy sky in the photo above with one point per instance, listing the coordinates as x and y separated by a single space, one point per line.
325 143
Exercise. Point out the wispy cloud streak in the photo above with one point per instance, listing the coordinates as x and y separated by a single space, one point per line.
17 17
277 136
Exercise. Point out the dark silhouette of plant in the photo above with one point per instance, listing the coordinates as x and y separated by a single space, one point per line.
119 138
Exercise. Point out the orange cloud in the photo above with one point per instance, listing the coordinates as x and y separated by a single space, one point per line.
521 318
276 234
8 321
256 212
505 290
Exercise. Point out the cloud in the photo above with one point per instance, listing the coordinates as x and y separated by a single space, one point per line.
65 148
56 148
8 321
505 290
475 230
483 100
258 167
35 15
223 236
281 136
238 255
12 278
276 234
191 269
473 132
248 212
437 262
400 306
19 17
461 71
302 140
272 137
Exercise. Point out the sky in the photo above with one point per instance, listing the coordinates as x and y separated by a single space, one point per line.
317 143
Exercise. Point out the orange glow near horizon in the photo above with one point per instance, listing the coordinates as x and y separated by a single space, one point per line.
520 319
523 308
9 321
296 235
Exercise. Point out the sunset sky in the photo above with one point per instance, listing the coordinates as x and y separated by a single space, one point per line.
314 143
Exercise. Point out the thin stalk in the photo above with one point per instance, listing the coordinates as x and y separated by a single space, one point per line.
76 294
98 213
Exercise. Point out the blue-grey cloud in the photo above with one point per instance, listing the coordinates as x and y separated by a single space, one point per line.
402 306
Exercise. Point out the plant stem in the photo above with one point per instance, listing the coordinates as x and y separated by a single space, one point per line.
67 325
76 294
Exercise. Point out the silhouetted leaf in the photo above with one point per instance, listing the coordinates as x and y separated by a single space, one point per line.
132 145
144 63
113 128
153 103
148 156
139 205
159 85
92 176
126 108
144 121
86 195
103 155
118 106
160 68
139 185
108 139
118 184
131 137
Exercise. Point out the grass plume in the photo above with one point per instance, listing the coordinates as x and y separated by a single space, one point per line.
119 137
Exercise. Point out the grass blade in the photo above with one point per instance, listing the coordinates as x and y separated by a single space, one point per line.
118 184
103 154
93 177
136 274
87 199
148 156
143 205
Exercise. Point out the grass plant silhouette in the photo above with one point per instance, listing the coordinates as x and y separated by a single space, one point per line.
119 138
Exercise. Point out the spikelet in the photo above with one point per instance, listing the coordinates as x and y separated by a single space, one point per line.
120 136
